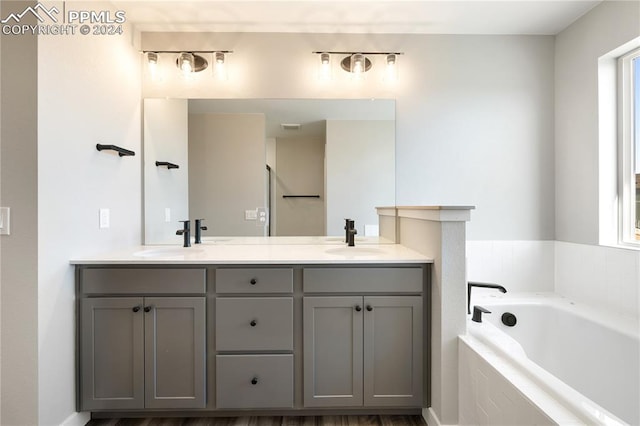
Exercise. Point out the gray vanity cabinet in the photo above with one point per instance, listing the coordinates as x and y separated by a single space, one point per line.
363 350
143 352
139 351
112 353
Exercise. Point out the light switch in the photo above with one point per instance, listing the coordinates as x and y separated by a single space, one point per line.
5 221
167 214
104 218
250 215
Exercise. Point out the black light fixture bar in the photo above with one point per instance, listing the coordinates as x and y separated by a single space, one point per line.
354 52
190 51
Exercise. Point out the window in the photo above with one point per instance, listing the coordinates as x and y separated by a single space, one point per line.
629 66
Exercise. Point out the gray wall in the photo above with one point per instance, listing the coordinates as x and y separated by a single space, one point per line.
227 171
360 172
474 114
19 260
585 172
88 93
166 131
300 171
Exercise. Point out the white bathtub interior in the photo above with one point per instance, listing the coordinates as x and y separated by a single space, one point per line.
596 353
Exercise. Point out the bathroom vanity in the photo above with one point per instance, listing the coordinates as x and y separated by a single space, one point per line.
287 328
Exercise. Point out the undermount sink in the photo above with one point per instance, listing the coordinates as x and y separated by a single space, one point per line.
355 251
168 252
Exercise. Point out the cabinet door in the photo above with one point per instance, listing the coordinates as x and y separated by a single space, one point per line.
111 353
332 351
174 352
393 351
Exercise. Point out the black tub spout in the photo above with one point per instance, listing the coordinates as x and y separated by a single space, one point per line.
471 284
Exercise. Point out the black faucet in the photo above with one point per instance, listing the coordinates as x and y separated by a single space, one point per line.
346 230
199 229
477 313
351 232
483 285
185 232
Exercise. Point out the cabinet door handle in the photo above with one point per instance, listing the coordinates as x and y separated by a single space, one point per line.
148 308
254 381
369 308
136 308
253 281
358 308
253 323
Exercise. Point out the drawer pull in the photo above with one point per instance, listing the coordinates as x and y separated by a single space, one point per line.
358 308
369 308
253 281
253 323
254 381
136 308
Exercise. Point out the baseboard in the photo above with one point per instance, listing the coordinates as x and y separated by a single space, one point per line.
76 419
431 417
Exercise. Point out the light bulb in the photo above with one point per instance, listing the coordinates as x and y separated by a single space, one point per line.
219 67
391 71
186 62
325 67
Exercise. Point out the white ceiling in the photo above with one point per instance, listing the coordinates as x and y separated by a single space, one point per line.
357 16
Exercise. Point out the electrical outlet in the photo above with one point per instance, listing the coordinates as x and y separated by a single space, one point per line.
104 218
5 222
263 216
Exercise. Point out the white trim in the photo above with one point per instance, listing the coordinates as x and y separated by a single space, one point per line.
626 172
438 215
76 419
430 417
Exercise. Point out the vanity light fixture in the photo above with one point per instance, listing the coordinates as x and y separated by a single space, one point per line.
190 61
358 63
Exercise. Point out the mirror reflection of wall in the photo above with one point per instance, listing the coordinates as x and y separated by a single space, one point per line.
311 163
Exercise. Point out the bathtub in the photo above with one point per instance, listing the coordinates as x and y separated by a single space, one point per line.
583 363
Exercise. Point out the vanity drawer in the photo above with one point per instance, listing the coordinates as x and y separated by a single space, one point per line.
254 280
141 280
367 280
254 381
254 323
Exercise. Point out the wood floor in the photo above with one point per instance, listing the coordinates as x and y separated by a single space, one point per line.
398 420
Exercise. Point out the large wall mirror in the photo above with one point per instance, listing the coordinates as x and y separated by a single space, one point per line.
267 167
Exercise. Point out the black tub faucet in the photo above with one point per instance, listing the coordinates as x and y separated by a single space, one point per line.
185 232
471 284
199 229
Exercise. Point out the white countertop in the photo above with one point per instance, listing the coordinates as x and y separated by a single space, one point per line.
258 251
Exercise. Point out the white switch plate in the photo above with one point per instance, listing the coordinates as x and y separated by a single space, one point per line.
5 221
104 218
167 214
250 215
